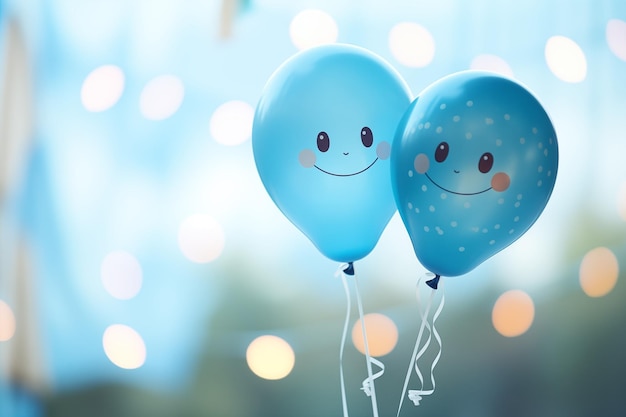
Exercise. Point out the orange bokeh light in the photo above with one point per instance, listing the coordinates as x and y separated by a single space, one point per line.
598 272
513 313
382 334
7 322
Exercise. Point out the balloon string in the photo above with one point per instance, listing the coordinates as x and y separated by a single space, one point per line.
343 339
368 384
417 343
415 395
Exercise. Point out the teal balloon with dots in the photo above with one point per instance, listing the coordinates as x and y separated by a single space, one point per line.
321 139
474 162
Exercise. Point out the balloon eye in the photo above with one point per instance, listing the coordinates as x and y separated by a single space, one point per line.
367 137
485 163
441 153
323 141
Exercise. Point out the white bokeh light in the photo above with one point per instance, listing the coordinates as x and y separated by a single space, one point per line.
201 238
124 346
161 97
566 59
102 88
270 357
7 322
616 37
488 62
412 44
121 275
231 123
312 27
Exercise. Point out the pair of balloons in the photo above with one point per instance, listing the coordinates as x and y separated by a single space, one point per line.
340 144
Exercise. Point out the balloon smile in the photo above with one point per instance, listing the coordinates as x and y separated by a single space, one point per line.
347 175
455 192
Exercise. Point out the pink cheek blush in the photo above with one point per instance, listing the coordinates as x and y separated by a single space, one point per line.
500 182
421 163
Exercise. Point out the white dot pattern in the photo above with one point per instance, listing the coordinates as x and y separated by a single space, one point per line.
464 220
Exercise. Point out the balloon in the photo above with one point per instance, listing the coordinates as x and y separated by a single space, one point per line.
473 164
321 138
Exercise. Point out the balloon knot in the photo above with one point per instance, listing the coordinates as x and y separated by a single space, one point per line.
367 387
349 269
433 283
414 395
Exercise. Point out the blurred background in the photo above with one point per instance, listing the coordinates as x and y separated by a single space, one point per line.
144 270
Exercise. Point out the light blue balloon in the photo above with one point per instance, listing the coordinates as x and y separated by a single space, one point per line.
321 138
473 162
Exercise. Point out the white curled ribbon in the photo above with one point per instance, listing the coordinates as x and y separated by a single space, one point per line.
368 384
416 395
340 272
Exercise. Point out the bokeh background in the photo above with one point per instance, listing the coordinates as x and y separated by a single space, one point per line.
140 256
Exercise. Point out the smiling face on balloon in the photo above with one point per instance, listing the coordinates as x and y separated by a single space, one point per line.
473 165
342 156
322 137
465 171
